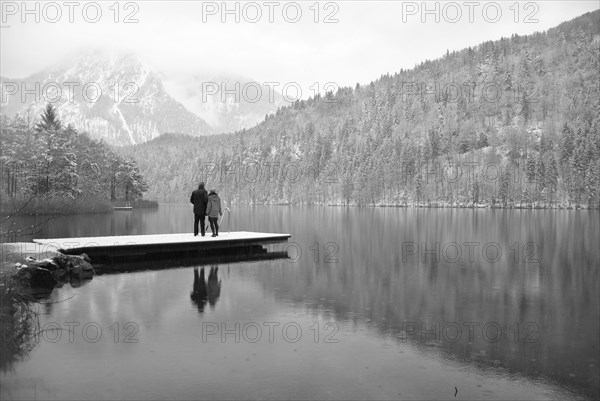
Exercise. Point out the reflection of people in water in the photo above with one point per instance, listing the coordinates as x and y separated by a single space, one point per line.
204 292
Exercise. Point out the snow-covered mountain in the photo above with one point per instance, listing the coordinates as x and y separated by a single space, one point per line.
115 96
118 97
227 103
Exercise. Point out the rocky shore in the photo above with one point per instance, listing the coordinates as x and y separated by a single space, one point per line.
37 266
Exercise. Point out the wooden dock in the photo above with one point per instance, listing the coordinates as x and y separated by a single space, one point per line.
135 247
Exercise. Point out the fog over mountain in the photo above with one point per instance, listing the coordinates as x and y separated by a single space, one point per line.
228 103
122 99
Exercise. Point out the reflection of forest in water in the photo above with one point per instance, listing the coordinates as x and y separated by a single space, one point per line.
557 296
20 310
547 311
19 324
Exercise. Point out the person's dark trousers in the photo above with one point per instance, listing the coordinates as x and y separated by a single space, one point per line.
214 225
199 218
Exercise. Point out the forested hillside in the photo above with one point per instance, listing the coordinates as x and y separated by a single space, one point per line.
47 167
510 122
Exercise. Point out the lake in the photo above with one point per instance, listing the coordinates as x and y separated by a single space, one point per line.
372 303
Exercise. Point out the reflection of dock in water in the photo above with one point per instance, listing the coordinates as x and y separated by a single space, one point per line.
170 262
240 244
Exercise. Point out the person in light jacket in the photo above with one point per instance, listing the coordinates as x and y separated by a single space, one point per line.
213 211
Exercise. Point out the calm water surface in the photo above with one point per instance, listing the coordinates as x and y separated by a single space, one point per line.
372 304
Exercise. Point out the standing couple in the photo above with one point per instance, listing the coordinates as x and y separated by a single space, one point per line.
206 204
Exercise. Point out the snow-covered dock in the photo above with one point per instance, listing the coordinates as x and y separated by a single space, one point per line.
117 247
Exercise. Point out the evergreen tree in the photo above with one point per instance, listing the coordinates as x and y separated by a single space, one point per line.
475 191
592 178
540 172
530 166
418 180
50 121
552 178
504 186
579 167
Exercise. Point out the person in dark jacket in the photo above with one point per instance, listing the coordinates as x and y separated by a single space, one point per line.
213 210
200 199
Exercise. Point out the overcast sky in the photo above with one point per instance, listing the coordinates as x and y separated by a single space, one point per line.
369 38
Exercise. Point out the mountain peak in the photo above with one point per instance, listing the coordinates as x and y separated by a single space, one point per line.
128 84
113 95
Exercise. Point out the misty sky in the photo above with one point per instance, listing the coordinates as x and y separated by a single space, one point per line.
369 39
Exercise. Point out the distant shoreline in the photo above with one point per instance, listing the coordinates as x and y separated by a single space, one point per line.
423 205
52 207
67 210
